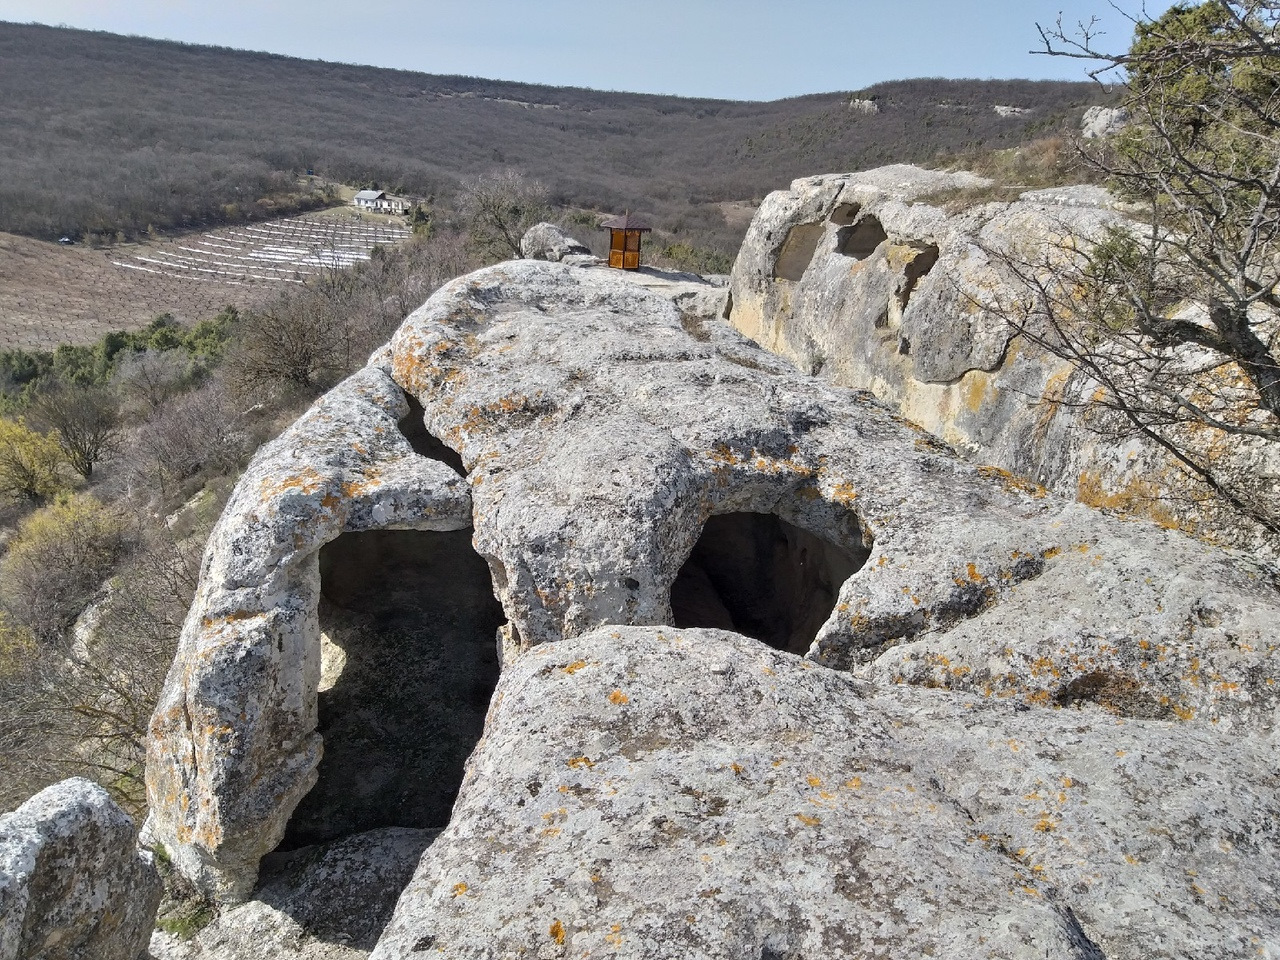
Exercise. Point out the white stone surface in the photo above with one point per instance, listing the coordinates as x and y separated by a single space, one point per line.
73 884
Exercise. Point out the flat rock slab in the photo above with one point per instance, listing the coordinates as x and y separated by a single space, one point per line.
655 793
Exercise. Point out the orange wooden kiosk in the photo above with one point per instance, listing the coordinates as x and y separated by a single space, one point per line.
624 242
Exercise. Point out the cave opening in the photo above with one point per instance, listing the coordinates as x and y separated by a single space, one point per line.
409 664
860 240
797 251
759 575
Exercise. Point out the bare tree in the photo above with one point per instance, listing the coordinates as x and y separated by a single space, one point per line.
85 712
85 421
1176 315
498 208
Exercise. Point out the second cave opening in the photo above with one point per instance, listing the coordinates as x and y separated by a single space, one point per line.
759 575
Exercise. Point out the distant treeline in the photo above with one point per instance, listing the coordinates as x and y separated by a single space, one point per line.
107 134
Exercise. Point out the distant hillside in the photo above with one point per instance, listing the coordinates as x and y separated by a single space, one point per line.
108 133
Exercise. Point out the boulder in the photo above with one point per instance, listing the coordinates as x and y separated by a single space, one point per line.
867 280
650 792
546 241
1102 121
628 462
73 884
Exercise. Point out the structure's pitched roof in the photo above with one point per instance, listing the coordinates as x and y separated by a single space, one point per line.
625 222
370 194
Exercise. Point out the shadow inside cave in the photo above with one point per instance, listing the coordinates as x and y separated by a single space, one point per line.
410 661
758 575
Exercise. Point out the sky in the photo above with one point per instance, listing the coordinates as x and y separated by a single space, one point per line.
733 49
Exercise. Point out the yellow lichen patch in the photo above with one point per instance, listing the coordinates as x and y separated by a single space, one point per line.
815 781
556 932
574 667
973 390
1135 497
974 575
1045 824
619 698
459 889
736 768
1013 482
368 482
844 493
306 482
580 763
854 783
807 820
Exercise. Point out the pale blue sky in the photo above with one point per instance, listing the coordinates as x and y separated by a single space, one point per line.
745 49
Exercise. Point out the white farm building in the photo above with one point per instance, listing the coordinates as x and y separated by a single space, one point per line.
379 201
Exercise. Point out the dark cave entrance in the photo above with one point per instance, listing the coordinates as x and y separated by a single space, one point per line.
410 620
757 574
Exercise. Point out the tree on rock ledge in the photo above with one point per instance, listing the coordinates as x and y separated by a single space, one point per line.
1177 315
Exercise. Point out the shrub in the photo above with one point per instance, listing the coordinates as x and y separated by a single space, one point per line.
56 563
31 464
193 433
87 714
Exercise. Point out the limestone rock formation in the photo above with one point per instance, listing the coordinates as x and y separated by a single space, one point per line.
1102 121
864 279
650 792
959 639
546 241
234 745
73 884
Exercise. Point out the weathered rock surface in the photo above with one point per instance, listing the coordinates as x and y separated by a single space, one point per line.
546 241
629 461
233 740
659 793
73 884
327 902
1102 121
862 279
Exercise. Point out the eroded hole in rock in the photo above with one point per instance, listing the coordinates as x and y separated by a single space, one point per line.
797 251
860 240
759 575
845 213
410 665
914 271
414 428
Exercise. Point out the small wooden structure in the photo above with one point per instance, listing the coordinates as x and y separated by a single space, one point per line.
624 242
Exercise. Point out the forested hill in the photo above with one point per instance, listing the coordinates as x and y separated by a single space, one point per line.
107 133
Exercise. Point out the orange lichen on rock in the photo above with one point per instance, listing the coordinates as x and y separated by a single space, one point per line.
1013 482
557 932
1137 497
